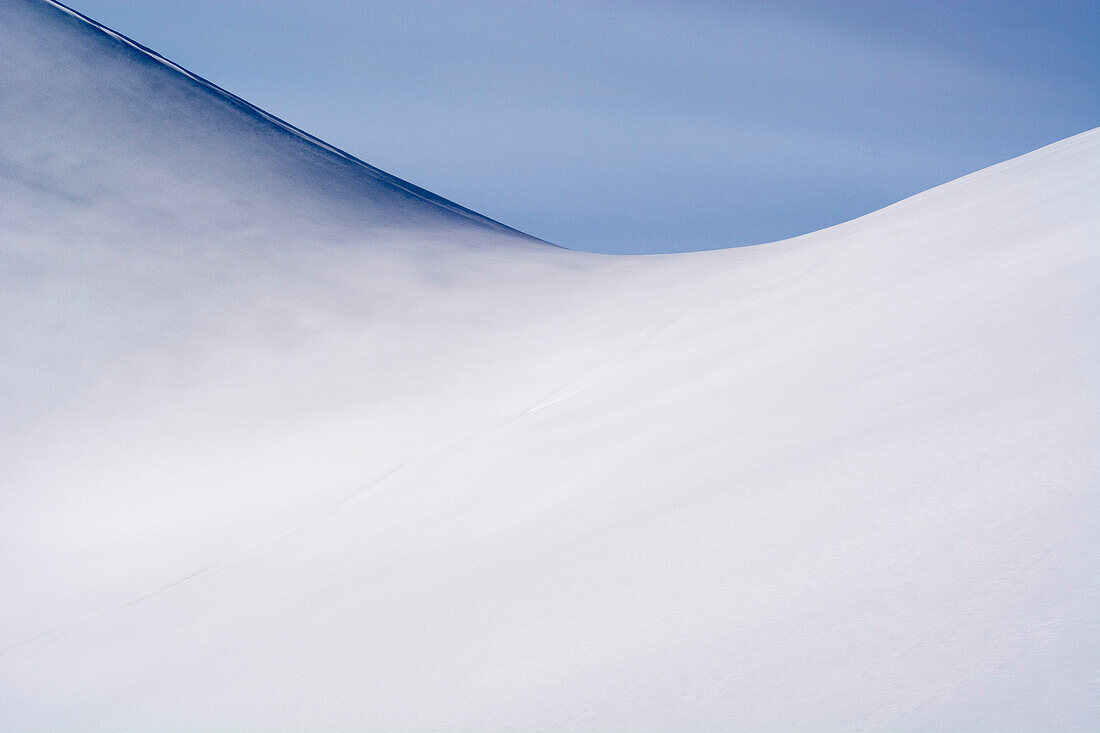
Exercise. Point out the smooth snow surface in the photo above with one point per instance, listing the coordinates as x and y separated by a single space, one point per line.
289 444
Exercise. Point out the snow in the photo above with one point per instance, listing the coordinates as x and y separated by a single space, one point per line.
288 443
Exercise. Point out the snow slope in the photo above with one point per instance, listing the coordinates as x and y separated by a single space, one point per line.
290 444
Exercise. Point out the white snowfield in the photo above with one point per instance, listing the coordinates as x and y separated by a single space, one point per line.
289 444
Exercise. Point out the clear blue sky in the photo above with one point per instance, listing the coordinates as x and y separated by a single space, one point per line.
645 127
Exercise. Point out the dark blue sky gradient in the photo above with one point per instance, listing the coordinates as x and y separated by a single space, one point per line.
648 127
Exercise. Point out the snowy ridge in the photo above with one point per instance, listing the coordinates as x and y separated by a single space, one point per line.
285 445
234 99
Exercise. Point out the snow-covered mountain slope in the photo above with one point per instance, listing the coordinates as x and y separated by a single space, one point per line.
288 444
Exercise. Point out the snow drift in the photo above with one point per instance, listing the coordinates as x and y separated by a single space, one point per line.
288 443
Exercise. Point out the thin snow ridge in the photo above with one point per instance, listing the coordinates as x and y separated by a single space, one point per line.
388 178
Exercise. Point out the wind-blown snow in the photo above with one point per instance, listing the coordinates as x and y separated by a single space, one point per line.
290 444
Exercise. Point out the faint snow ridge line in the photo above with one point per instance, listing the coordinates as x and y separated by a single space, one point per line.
365 491
302 134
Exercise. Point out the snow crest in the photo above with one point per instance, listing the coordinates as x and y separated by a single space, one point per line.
288 443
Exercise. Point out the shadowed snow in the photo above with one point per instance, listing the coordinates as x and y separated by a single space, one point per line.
290 444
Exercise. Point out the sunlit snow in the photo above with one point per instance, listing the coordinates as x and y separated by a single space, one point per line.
289 444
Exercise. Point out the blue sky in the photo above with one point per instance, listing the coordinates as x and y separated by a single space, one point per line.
649 127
